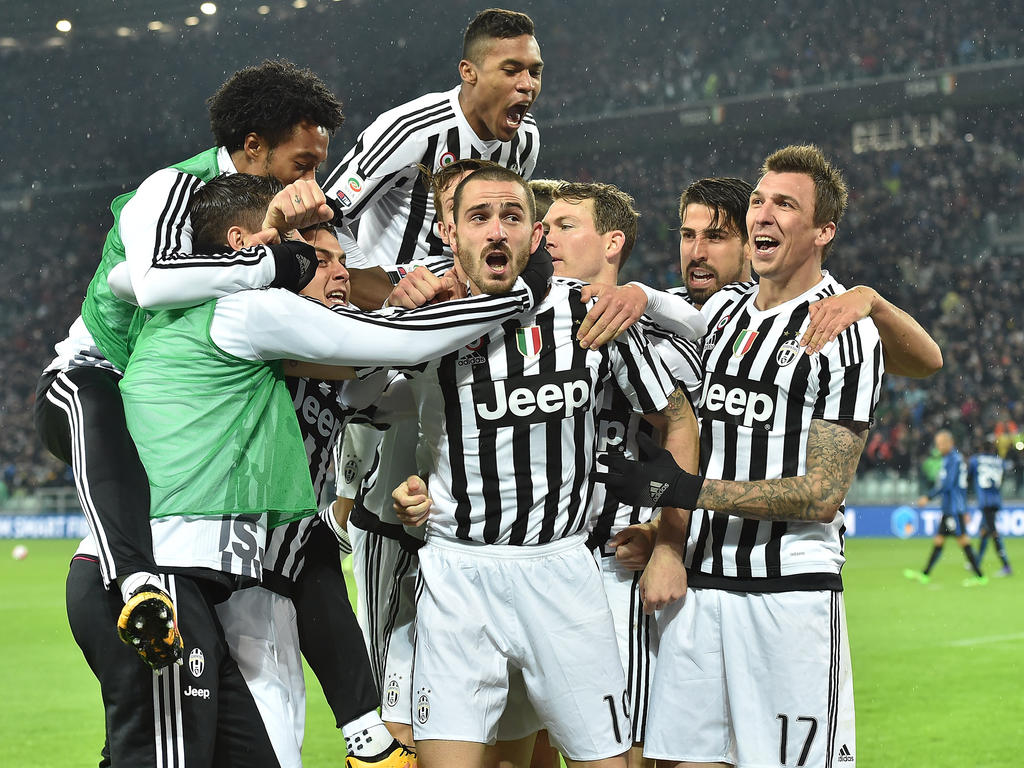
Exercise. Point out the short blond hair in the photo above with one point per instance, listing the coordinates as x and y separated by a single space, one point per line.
613 209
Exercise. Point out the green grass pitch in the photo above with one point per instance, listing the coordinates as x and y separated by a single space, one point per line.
938 669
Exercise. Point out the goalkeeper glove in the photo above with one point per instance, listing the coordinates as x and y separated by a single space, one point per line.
654 481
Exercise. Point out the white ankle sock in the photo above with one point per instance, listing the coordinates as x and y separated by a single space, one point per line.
133 581
367 735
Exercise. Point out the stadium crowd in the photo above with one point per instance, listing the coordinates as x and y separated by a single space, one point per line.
668 56
930 210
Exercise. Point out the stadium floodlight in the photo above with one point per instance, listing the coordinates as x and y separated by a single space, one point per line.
208 8
191 21
263 10
63 25
124 31
299 3
155 26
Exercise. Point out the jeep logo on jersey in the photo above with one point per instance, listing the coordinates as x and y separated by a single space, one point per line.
611 433
196 662
738 401
531 399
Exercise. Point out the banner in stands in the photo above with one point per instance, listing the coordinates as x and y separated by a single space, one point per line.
43 527
905 522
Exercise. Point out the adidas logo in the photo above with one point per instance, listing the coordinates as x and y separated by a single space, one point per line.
656 490
845 755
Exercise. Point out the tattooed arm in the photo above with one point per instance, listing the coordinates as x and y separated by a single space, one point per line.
833 450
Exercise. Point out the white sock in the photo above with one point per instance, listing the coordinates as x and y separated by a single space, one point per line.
367 735
133 581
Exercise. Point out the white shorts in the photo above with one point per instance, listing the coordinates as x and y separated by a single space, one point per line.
260 629
637 636
385 576
749 678
488 612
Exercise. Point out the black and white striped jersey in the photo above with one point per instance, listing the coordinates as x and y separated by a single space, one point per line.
379 183
760 394
508 424
682 355
618 428
392 460
323 408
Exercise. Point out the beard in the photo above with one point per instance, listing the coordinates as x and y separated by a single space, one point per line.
480 269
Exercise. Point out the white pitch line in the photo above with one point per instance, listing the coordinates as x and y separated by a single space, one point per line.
983 640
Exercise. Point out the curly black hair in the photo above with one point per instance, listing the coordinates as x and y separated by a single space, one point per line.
270 99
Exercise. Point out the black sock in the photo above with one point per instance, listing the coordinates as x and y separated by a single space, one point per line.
982 544
970 559
936 553
1001 550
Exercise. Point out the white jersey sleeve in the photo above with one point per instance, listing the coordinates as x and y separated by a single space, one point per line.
640 373
673 313
276 324
385 155
353 455
157 236
849 378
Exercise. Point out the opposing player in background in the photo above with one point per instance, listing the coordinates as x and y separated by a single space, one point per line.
379 181
985 471
273 119
951 485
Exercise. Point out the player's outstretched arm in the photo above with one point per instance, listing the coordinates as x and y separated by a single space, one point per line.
156 234
618 308
282 326
833 451
909 349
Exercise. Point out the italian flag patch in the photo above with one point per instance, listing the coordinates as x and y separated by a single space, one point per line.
743 342
528 341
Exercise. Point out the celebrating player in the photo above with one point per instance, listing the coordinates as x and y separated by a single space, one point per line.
273 119
781 435
509 460
379 181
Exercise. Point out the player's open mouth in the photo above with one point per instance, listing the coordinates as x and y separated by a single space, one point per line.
497 262
765 245
337 296
514 116
700 277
